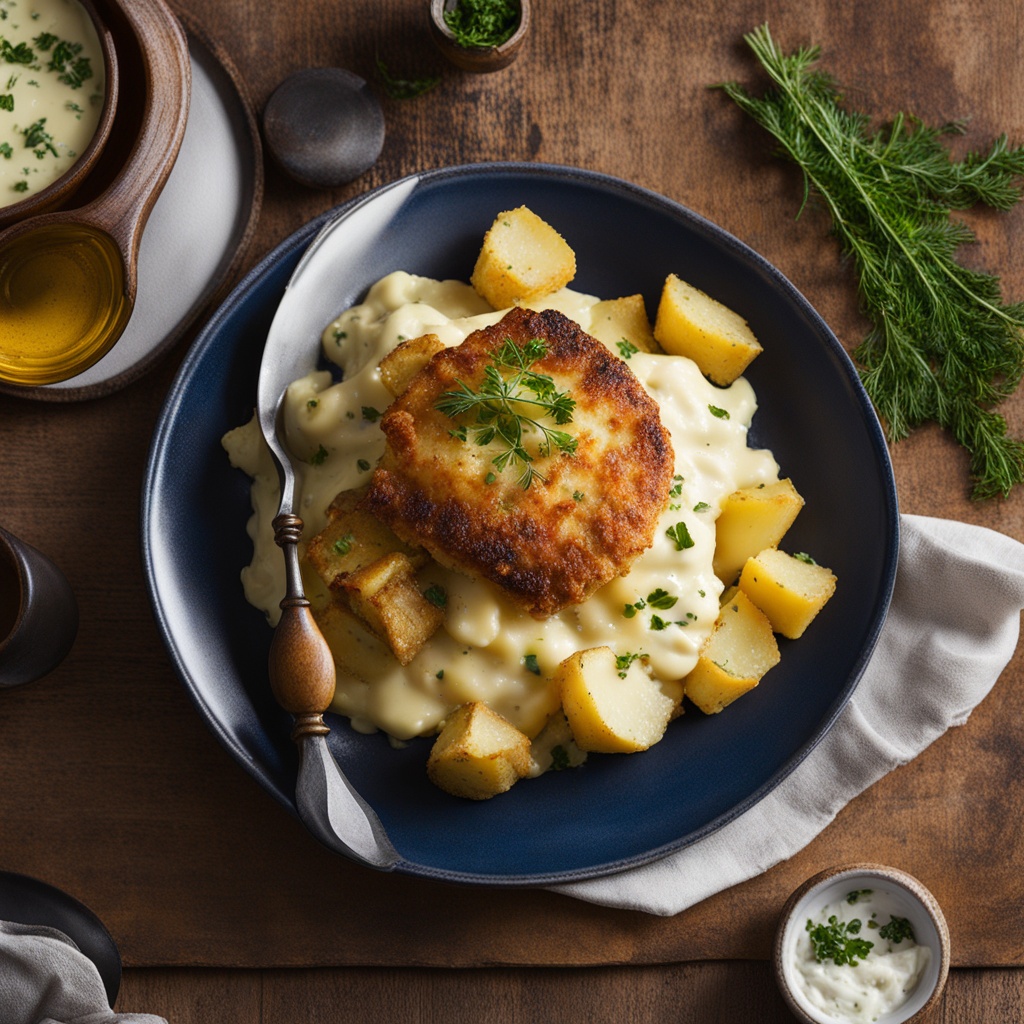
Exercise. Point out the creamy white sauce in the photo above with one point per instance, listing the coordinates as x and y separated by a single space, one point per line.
51 105
478 653
880 983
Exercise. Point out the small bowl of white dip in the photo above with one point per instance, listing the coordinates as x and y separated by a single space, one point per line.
861 943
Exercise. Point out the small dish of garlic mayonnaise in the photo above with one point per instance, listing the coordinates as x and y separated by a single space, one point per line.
861 944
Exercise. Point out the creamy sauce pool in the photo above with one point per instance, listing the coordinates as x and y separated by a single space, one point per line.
480 651
51 92
883 981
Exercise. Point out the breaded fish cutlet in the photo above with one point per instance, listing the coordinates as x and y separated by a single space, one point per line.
582 524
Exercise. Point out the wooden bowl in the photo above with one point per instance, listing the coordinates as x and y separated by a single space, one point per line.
63 188
481 60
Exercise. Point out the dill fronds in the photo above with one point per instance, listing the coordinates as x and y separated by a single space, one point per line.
942 346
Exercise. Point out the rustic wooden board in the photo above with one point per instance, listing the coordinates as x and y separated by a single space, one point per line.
115 791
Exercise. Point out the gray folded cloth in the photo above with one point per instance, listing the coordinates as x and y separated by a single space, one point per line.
951 629
46 979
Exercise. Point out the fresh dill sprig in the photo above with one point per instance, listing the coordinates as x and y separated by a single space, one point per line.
942 346
482 24
508 394
399 88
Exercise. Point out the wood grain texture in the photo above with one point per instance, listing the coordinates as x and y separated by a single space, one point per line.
683 993
114 790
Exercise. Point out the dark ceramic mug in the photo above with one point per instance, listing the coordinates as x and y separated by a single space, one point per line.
38 613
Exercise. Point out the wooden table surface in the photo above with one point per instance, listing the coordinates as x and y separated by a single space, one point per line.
223 907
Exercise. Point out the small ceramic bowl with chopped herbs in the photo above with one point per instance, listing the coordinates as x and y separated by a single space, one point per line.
480 35
861 943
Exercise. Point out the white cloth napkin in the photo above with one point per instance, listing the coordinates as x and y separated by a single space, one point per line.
45 979
951 629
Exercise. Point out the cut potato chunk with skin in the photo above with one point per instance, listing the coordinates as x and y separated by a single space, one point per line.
615 321
401 364
690 323
478 754
611 709
353 539
739 651
752 519
386 596
523 258
789 590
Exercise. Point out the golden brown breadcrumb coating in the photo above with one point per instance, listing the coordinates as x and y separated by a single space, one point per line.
584 523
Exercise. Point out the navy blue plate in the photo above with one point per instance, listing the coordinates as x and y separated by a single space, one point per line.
614 812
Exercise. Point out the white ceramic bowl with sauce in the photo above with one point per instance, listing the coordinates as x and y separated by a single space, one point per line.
894 893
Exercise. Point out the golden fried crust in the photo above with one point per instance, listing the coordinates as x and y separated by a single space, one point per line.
554 544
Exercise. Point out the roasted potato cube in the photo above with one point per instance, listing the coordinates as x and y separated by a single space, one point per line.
611 708
356 650
690 323
478 754
739 651
622 320
401 364
522 259
353 539
752 519
386 596
789 590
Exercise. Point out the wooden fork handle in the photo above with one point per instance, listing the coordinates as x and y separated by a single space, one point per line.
301 666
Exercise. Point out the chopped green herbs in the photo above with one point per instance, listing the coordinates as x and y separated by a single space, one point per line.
722 414
837 941
802 556
482 24
343 545
677 486
370 414
560 758
680 536
626 348
661 599
363 465
854 895
318 457
436 595
6 101
623 661
509 385
898 929
399 88
20 54
578 496
701 506
530 664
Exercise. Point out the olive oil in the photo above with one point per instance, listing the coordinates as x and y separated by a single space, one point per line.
62 302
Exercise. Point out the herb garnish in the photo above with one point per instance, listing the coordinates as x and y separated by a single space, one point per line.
6 101
370 414
623 661
436 595
898 929
833 941
943 346
718 413
404 88
680 536
482 23
560 758
343 545
510 385
626 348
318 457
531 664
